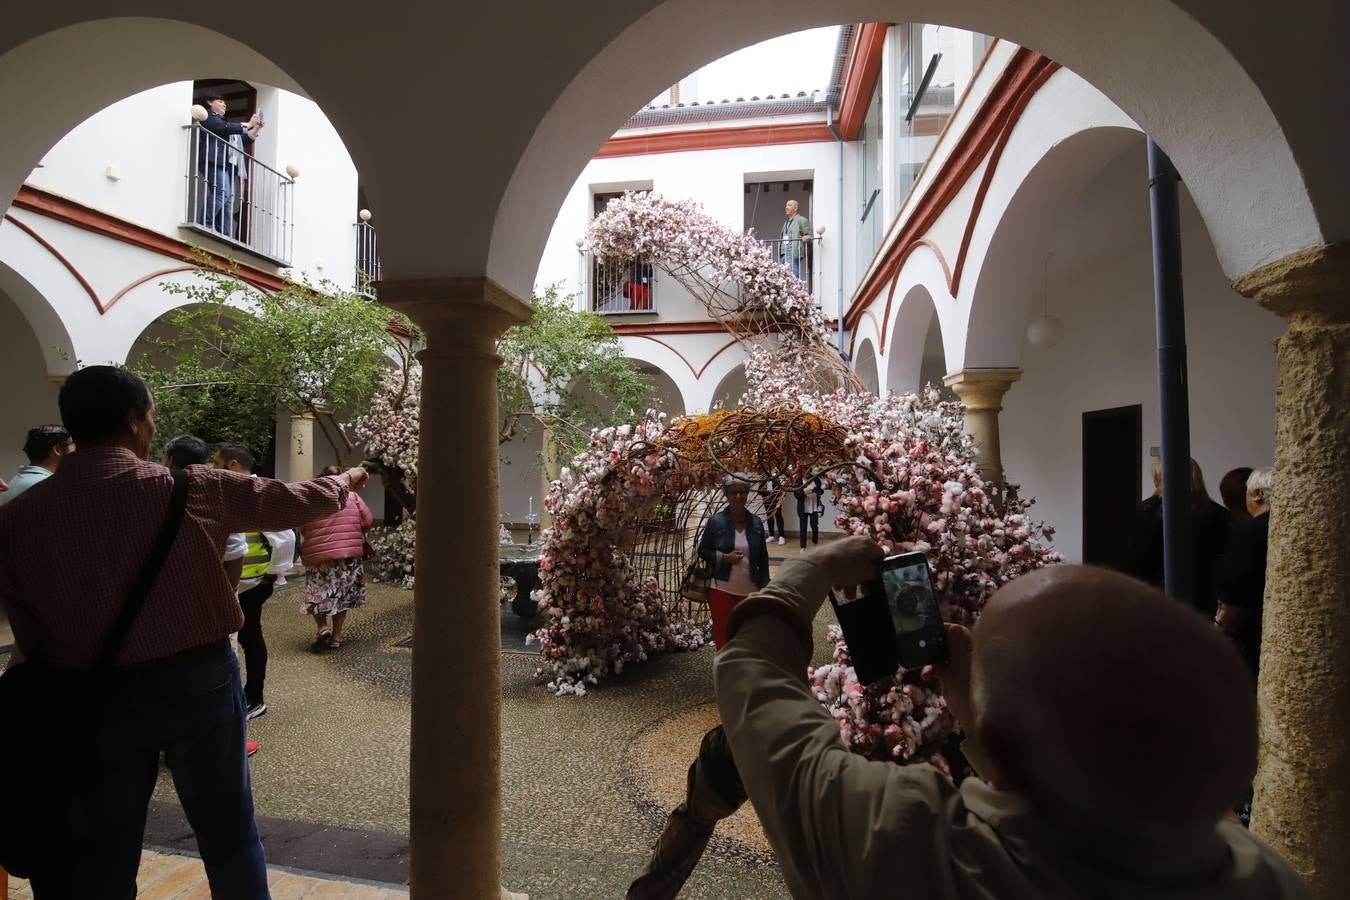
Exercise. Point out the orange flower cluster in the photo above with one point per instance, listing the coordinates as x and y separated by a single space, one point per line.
782 440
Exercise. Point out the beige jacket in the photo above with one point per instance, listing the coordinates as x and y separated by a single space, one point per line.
847 827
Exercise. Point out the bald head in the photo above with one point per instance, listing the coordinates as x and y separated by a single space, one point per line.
1100 698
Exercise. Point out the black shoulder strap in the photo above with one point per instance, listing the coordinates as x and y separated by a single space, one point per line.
145 580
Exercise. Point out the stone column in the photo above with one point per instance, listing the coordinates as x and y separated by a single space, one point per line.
1302 802
302 467
982 390
455 787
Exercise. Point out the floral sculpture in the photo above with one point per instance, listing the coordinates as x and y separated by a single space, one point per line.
912 485
901 469
736 277
599 615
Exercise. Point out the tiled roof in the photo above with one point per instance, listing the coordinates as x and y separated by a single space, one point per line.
753 106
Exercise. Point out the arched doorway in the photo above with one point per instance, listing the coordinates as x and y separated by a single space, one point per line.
865 365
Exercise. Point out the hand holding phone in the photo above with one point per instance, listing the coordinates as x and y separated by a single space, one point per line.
896 620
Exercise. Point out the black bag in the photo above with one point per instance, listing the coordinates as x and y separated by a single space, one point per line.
697 581
48 707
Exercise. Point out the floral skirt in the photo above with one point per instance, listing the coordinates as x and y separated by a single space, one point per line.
334 587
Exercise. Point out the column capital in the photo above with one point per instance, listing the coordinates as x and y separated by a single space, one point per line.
478 306
982 388
1313 282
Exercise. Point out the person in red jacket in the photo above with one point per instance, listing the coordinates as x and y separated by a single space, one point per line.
333 550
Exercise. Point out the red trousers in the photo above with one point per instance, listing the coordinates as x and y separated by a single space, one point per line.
720 604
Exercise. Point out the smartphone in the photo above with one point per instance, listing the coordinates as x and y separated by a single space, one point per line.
894 621
908 586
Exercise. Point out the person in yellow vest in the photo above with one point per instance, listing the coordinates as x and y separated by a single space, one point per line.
270 555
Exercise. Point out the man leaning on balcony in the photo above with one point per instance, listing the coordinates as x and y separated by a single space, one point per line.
214 155
793 240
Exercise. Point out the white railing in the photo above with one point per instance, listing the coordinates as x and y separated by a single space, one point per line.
802 257
234 197
367 259
620 289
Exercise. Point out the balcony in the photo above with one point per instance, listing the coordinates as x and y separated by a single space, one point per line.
235 198
806 266
367 257
616 289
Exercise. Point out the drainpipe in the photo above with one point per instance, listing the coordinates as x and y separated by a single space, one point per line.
839 235
1173 402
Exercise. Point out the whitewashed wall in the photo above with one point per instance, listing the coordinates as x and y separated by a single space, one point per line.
1107 358
141 139
715 179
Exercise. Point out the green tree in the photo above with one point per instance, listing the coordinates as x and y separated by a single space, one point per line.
565 369
233 354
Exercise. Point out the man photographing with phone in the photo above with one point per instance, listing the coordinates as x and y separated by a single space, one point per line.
1111 730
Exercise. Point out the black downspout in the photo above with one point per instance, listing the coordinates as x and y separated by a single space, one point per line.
1174 406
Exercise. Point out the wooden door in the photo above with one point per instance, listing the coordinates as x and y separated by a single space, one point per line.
1112 451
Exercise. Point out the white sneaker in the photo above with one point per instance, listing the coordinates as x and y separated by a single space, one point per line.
782 541
258 709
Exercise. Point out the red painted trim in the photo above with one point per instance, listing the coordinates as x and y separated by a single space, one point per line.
704 326
886 316
1036 83
990 129
860 76
142 280
101 223
853 337
697 373
70 267
946 274
715 139
644 329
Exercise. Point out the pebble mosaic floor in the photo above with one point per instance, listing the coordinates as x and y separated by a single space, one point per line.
586 782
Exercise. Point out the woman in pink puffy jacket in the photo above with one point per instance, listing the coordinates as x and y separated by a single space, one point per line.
335 578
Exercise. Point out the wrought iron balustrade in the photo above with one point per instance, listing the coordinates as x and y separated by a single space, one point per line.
802 257
234 197
367 259
620 288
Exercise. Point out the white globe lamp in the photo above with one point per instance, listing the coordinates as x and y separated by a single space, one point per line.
364 215
1044 332
293 171
199 113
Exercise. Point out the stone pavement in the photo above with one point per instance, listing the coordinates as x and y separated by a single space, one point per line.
167 876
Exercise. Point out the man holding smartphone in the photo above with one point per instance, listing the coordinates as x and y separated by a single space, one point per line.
1084 788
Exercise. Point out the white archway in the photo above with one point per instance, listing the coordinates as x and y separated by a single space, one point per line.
1067 135
915 354
730 389
1200 78
865 365
35 288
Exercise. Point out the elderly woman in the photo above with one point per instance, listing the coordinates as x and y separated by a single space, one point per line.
335 578
733 545
1241 573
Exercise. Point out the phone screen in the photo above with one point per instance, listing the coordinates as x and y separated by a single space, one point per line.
895 621
908 587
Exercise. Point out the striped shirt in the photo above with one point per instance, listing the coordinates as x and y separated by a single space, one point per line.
71 546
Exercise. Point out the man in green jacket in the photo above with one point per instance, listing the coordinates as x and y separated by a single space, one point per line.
1111 730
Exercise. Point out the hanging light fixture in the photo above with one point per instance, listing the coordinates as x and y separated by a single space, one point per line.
1044 331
